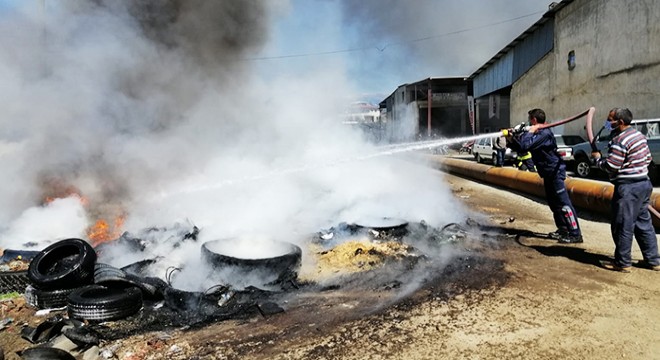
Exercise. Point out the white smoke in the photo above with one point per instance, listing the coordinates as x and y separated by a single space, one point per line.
103 105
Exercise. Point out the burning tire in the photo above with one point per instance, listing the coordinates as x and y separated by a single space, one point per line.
63 265
282 267
100 303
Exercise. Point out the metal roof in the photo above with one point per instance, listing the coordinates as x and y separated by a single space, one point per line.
548 15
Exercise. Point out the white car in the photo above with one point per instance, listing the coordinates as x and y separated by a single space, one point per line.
483 151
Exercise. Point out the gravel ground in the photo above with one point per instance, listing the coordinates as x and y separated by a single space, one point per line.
506 293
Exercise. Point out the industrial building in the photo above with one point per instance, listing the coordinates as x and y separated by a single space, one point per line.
580 53
428 108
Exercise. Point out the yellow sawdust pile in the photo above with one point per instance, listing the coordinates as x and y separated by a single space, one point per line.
354 256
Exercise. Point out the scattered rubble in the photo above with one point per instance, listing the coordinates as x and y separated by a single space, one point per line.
88 303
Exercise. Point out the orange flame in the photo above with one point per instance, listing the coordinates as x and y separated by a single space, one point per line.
102 231
83 200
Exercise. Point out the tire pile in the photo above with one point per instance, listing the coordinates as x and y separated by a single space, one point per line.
65 274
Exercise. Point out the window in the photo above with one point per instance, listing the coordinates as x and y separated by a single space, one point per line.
571 60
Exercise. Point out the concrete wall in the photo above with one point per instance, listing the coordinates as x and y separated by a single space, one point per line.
617 49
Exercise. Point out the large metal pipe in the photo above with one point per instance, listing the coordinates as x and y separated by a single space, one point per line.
586 194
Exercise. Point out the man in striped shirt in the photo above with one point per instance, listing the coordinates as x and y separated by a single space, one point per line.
627 165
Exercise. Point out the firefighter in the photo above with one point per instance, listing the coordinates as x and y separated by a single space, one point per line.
524 162
541 143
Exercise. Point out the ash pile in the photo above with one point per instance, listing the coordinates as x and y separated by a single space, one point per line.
91 301
381 253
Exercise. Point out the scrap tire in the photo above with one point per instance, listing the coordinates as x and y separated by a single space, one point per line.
63 265
47 299
100 303
46 353
110 276
283 267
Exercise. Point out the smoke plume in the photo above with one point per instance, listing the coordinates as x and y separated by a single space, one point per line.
147 114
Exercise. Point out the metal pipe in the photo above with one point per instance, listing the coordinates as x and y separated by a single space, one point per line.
585 194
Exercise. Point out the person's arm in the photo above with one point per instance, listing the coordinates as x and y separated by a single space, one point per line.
616 153
529 142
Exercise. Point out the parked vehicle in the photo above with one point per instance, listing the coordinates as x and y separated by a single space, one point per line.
648 127
565 145
466 147
483 151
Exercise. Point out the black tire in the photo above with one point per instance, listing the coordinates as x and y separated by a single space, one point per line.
282 268
63 265
47 299
493 158
46 353
13 281
113 277
100 303
582 167
478 158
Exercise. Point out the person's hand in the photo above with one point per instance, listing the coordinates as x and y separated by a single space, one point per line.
596 155
532 129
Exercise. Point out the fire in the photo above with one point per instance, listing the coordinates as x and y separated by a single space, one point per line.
102 231
83 200
99 210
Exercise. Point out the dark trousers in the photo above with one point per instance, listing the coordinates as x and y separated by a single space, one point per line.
527 164
563 211
500 156
630 216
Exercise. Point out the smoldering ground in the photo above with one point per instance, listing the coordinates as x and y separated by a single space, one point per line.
115 104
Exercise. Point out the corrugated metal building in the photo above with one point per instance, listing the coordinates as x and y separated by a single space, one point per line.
581 53
493 81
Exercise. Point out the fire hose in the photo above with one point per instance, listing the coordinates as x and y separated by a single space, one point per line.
594 148
589 113
590 134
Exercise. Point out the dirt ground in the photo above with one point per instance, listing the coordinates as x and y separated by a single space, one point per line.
509 295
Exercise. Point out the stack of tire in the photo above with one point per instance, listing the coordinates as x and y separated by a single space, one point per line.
63 275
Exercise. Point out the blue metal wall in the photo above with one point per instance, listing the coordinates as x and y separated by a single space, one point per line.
532 49
496 76
512 65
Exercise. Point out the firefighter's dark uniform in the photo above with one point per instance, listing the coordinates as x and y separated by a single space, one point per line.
552 169
524 162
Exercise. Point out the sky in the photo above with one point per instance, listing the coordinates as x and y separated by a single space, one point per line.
382 44
222 114
387 43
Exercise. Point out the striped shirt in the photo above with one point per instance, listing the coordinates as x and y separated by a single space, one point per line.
628 157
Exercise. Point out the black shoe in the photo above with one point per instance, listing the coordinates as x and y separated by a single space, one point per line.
558 234
570 239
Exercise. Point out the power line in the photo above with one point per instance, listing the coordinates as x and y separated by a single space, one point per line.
383 48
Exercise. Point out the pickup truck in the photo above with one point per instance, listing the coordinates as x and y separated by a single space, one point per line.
648 127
